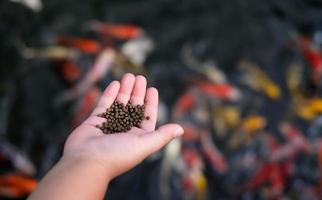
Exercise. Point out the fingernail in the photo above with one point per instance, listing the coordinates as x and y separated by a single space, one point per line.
178 132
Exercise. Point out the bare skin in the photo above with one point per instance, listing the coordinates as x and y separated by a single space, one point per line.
91 159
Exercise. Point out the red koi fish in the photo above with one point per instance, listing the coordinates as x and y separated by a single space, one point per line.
86 106
192 158
183 104
100 68
69 70
194 182
85 45
312 53
16 186
274 173
118 31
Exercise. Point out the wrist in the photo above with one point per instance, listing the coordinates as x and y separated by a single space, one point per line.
87 163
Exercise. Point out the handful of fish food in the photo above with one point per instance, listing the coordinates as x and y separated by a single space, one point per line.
121 118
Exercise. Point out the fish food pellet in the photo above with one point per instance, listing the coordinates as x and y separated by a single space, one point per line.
121 118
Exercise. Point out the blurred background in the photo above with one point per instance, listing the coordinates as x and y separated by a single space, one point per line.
242 77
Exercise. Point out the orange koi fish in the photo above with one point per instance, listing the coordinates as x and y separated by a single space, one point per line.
85 45
119 31
221 91
16 186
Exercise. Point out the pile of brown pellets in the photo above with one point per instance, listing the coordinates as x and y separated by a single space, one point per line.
121 118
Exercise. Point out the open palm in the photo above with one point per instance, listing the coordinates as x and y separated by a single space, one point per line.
120 152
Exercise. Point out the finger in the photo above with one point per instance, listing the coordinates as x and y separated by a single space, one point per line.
107 98
155 140
139 89
151 109
127 84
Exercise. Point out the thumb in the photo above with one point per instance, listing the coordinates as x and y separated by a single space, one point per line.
155 140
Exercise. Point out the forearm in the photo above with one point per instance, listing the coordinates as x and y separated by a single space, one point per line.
82 172
73 179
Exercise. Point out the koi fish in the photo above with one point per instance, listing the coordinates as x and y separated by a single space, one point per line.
201 184
86 106
296 143
312 53
194 181
123 65
20 161
34 5
220 91
293 80
259 81
118 31
100 68
247 129
274 173
208 69
213 154
168 164
16 186
137 49
191 133
253 123
195 185
296 136
225 118
183 104
51 52
69 70
308 109
84 45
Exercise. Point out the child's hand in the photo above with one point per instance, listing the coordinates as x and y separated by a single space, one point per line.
119 152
